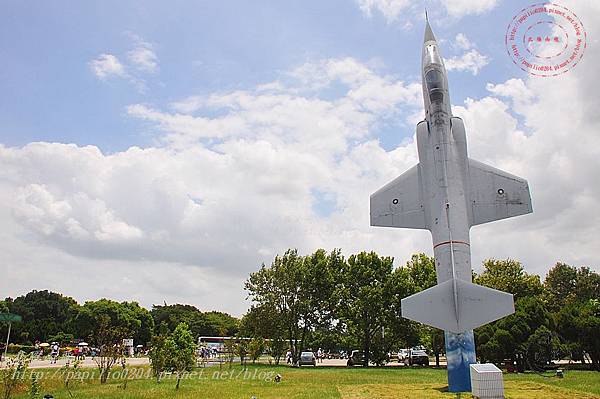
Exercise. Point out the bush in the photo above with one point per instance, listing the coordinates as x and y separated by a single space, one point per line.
16 348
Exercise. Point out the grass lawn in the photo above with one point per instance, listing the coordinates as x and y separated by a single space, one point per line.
322 382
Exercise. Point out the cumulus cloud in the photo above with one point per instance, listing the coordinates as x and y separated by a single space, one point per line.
462 42
289 112
471 59
390 9
460 8
106 65
141 60
224 191
143 57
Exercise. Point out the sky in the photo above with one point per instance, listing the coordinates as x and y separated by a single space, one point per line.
162 151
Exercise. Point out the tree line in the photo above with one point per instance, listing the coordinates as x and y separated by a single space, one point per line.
324 300
53 317
328 301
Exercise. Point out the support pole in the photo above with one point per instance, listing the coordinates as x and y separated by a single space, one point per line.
7 339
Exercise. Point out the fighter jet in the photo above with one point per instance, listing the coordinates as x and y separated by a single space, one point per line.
446 193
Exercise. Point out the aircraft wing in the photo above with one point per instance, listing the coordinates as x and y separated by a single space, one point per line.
399 203
495 194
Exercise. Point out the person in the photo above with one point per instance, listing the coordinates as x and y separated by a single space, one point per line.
54 353
320 356
288 357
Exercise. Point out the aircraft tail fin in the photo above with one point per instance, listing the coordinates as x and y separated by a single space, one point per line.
457 306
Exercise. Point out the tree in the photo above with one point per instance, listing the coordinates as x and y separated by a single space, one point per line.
506 339
264 321
159 356
433 339
200 324
256 347
578 324
241 349
109 340
571 293
566 284
365 299
143 334
421 272
587 285
106 323
128 318
560 285
418 275
219 323
11 375
181 346
44 314
276 348
541 348
297 288
62 338
509 276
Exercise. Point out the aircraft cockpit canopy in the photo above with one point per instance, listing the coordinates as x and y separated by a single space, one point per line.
435 85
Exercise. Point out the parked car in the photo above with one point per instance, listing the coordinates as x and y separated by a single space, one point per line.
402 355
356 358
416 356
307 358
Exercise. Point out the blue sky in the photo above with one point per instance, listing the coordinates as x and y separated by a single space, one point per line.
50 94
161 151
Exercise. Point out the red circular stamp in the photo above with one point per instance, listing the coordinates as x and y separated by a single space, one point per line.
546 39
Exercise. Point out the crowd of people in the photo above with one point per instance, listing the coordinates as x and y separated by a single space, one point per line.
206 352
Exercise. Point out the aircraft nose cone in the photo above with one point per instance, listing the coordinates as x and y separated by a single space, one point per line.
428 34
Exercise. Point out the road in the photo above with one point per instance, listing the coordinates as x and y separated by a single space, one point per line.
88 362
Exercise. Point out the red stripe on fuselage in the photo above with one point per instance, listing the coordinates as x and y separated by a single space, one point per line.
453 242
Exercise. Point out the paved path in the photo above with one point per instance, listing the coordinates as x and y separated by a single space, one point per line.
88 362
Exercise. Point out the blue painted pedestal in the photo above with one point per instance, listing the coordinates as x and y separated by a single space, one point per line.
460 353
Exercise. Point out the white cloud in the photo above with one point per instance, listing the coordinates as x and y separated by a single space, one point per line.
143 57
460 8
390 9
222 194
141 60
289 112
106 65
471 61
462 42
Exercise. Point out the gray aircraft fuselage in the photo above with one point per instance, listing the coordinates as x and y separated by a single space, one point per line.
446 193
443 164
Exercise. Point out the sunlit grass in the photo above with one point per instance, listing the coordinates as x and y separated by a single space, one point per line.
320 382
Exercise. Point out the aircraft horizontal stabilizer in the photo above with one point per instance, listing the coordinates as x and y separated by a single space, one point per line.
475 306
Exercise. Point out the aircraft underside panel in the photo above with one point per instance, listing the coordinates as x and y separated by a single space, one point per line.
495 194
399 203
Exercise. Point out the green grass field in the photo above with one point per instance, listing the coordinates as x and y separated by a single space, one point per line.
257 381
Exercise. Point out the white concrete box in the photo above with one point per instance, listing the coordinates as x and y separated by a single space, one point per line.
486 381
